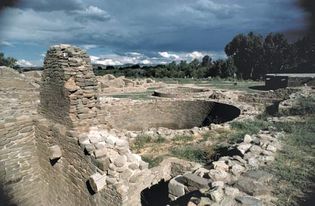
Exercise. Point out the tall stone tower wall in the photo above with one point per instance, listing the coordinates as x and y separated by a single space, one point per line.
68 93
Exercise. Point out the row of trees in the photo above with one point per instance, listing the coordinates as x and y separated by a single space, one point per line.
195 69
249 56
7 61
254 56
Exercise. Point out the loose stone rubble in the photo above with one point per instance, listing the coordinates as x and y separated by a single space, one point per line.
234 179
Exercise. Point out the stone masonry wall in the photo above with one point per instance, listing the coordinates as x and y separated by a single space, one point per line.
20 182
19 168
68 93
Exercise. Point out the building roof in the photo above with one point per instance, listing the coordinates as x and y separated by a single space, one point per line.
311 75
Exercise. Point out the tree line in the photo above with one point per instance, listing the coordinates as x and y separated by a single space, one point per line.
249 56
7 61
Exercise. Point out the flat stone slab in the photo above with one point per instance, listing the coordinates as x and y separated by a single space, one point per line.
196 181
248 201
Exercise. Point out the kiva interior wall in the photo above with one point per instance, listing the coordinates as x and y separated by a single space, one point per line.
173 114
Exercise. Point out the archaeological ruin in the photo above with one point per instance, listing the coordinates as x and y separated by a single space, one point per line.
64 141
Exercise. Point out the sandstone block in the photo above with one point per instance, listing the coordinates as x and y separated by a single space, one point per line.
175 188
194 180
97 182
120 161
243 147
55 152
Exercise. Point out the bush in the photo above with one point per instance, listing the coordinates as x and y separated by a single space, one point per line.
183 138
191 153
153 161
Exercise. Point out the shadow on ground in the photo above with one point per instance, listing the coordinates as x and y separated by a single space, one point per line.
259 87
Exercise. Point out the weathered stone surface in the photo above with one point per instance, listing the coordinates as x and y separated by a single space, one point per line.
202 172
237 169
217 175
217 194
231 191
248 201
217 184
205 201
220 165
120 161
247 139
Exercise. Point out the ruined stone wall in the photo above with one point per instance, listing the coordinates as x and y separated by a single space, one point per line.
66 180
171 114
68 92
68 105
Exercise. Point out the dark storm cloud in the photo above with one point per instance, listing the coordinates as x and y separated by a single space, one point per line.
309 7
7 3
51 5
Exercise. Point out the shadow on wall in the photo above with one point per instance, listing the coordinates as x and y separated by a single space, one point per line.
221 113
4 199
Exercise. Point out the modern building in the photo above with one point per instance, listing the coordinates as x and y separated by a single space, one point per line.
276 81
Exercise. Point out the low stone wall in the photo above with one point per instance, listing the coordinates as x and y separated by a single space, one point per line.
180 114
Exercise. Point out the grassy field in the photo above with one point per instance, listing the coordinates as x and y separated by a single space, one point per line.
294 166
242 85
137 95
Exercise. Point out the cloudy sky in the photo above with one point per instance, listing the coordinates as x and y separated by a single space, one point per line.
139 31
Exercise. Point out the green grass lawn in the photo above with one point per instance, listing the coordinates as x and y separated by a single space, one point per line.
137 95
217 83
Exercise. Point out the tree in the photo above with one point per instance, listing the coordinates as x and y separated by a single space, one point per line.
206 61
228 68
305 53
277 54
247 53
7 61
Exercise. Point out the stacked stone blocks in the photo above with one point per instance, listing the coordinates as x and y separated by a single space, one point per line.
68 92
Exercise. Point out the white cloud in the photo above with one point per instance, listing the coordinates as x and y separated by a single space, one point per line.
24 63
6 43
164 57
146 61
196 55
92 12
168 55
89 46
108 62
220 9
